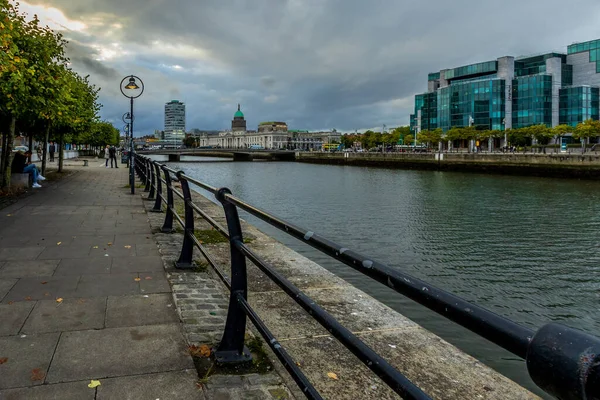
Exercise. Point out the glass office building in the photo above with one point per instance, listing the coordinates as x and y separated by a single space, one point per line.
509 92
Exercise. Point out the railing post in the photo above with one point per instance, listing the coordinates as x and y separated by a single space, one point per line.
152 180
168 224
565 362
147 174
232 349
185 260
158 202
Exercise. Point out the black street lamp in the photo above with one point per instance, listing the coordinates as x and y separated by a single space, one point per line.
133 92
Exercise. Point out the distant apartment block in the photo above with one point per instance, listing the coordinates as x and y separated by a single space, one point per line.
174 121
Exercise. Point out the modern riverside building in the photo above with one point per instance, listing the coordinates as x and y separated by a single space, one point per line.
175 122
509 92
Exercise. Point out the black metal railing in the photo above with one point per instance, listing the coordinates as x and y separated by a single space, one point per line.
562 361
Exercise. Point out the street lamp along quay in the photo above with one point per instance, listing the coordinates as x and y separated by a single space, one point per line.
133 92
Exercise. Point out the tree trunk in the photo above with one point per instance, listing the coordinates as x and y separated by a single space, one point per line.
3 156
45 149
31 147
9 156
60 151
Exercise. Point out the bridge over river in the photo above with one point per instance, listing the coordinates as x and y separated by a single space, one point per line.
236 154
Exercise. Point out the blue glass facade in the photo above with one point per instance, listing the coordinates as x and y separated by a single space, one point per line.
479 103
578 104
593 46
532 101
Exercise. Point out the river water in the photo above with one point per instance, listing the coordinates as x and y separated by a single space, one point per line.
524 247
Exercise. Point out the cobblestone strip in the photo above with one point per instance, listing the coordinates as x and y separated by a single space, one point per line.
201 302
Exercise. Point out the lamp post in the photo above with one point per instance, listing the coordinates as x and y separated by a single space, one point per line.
134 91
505 134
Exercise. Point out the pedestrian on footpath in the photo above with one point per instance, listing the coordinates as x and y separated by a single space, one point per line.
113 156
52 150
106 155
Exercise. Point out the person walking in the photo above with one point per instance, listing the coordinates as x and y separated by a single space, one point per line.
113 156
52 150
106 155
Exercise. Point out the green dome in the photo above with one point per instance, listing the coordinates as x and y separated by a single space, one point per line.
238 113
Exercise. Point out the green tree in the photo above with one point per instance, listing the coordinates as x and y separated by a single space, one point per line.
189 141
432 138
587 129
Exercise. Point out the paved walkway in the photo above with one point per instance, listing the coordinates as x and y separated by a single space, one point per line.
83 296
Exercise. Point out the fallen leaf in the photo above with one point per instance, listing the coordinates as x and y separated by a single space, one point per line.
81 301
37 374
46 294
137 279
3 360
43 283
10 302
148 278
95 247
94 384
9 215
109 243
28 298
332 375
58 244
199 351
59 300
298 364
127 246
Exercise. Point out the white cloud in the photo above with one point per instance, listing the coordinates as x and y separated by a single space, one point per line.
271 98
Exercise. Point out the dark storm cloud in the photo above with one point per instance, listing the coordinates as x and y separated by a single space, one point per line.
348 64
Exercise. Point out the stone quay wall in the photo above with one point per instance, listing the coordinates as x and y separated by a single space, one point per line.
440 369
551 165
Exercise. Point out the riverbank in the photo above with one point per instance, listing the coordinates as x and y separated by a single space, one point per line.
585 166
437 367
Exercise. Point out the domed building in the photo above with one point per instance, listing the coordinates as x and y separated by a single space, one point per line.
238 124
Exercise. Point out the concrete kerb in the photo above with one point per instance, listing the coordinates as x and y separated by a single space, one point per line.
202 305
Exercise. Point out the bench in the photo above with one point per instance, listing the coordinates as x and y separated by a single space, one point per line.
21 180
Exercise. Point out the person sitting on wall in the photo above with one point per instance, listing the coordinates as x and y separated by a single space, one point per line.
22 165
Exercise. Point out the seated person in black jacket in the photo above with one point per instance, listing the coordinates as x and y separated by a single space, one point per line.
22 165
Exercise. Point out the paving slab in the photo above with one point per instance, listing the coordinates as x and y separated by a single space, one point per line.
93 240
150 309
147 250
154 282
180 385
113 251
62 391
102 285
27 359
116 352
132 239
69 315
61 252
83 266
24 269
5 286
137 264
42 288
20 253
13 316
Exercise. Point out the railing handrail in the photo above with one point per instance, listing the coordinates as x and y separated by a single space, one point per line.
553 352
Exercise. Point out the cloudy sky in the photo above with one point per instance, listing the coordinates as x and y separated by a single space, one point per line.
316 64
